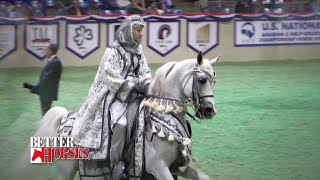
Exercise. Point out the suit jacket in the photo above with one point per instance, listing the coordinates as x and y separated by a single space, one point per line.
47 87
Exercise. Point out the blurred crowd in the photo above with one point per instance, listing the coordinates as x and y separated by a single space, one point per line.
25 8
18 8
259 6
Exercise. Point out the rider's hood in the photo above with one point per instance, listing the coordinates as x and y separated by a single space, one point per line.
124 34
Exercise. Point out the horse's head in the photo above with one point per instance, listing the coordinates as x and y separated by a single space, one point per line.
176 83
198 85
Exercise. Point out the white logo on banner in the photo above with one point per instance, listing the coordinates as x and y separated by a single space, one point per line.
163 37
112 28
256 33
7 40
83 39
202 36
39 36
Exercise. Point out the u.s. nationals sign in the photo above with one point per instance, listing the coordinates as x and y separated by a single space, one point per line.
39 36
8 39
271 33
163 37
83 39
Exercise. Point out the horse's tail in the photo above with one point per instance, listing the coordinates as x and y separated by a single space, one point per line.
47 128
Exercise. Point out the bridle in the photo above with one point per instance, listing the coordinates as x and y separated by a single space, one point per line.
196 95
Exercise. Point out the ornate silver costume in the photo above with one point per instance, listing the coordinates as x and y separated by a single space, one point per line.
123 66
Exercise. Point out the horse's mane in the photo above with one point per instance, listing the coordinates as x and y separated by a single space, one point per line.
174 68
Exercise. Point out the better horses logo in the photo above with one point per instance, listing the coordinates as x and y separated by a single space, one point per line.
49 149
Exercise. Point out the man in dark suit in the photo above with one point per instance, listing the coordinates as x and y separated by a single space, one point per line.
47 87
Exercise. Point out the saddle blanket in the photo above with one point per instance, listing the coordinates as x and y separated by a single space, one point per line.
66 123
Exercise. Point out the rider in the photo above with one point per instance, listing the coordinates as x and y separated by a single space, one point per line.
122 74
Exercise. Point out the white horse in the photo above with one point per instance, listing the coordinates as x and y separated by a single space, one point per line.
176 85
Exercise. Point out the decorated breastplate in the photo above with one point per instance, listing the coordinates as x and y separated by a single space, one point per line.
167 123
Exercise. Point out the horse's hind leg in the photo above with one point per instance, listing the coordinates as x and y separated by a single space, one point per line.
66 169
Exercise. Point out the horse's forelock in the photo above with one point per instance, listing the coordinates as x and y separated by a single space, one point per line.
206 65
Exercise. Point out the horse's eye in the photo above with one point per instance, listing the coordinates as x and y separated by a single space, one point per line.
214 74
202 80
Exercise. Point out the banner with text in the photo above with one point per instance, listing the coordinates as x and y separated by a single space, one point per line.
163 37
288 32
82 39
202 35
39 36
8 39
111 29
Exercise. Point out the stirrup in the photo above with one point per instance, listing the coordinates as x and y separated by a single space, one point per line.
118 172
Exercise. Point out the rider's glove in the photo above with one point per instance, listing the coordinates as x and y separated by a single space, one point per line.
141 88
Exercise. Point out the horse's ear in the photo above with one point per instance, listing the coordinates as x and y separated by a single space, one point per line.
200 57
213 61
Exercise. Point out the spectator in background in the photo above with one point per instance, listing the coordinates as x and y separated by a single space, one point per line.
20 9
74 9
141 3
252 6
310 6
151 9
150 2
4 9
294 6
162 9
94 7
135 8
47 87
203 4
240 7
118 4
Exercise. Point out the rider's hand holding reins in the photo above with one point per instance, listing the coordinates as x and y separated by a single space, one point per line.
141 88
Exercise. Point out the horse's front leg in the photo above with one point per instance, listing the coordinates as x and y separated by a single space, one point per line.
190 172
160 171
159 154
67 169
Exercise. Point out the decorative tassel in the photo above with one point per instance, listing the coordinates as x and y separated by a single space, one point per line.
154 128
180 109
161 134
146 102
186 141
170 138
169 108
176 107
160 108
154 103
184 152
188 102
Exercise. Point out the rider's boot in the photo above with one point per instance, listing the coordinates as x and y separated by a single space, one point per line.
116 150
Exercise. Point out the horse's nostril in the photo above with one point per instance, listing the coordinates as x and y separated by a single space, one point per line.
209 110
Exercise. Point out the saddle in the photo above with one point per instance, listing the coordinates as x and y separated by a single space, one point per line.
135 125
